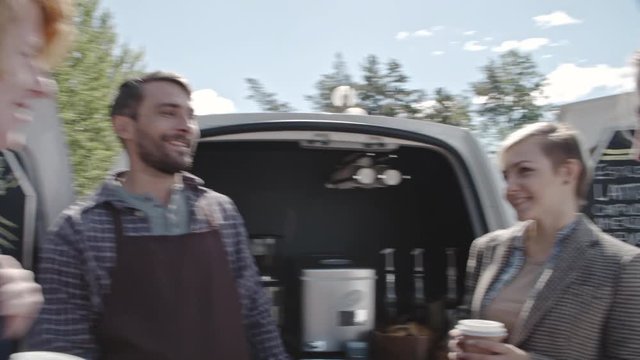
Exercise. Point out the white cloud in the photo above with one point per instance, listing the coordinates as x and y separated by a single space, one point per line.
479 100
556 18
560 43
473 46
437 28
488 38
570 82
522 45
402 35
207 101
437 53
469 33
546 56
426 107
422 33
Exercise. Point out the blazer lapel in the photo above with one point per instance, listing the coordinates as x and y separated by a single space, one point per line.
567 264
496 261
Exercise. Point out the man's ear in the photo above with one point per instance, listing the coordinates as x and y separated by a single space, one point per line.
123 126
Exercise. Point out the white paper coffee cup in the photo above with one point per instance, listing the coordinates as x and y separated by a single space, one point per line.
481 330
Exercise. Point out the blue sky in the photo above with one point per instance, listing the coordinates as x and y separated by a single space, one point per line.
584 46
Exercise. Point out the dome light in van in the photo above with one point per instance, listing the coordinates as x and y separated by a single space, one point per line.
369 143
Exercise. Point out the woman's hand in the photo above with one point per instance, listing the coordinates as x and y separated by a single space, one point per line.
20 298
499 351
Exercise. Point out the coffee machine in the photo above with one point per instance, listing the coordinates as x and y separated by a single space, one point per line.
338 305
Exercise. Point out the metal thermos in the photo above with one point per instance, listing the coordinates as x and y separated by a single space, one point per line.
338 305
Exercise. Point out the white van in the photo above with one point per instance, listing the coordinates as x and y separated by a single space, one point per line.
297 180
316 190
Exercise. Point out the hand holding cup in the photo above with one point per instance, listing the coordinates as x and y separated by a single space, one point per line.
20 298
482 340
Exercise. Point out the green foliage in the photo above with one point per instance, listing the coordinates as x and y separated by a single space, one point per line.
447 108
266 100
384 90
510 88
321 100
87 82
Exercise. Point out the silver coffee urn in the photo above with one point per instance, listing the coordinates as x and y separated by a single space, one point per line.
338 305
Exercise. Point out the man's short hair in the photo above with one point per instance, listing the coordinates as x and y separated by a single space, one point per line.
559 142
58 26
130 94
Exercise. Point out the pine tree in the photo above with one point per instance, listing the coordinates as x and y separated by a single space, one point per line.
321 100
265 99
509 93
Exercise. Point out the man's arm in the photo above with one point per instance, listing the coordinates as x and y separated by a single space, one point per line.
623 323
263 335
64 324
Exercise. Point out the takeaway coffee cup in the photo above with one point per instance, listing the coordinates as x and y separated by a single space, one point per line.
42 355
475 329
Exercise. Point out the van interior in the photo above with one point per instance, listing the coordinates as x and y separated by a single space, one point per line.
291 186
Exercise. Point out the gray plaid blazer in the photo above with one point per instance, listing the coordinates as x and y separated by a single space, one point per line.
589 306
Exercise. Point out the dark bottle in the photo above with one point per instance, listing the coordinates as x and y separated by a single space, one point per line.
419 294
451 300
390 299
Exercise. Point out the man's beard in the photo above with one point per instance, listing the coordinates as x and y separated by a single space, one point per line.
154 154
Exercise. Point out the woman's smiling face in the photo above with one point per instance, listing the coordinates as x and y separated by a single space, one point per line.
535 187
21 73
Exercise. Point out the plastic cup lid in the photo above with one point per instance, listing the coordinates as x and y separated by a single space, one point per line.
42 355
476 327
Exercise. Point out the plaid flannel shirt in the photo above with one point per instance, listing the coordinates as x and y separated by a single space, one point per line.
76 259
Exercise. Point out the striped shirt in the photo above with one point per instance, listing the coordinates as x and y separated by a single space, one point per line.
76 260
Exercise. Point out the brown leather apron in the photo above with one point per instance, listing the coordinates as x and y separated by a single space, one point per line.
172 297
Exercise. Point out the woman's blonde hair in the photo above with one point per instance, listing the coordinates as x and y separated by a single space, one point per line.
559 142
58 27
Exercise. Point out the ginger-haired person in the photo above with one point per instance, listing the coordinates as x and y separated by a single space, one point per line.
34 34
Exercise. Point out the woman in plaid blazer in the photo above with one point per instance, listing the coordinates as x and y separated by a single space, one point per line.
565 289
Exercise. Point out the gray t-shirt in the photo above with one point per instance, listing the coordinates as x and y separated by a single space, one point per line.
170 219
